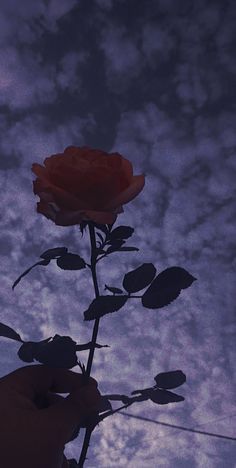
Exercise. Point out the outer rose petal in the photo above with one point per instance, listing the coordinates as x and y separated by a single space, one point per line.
65 199
127 167
128 194
70 218
39 171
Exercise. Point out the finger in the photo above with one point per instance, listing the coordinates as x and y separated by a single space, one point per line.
86 399
50 400
35 379
65 415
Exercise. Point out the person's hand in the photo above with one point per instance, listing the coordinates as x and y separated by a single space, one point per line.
35 438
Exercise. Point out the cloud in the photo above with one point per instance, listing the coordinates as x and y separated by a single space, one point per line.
33 138
122 57
23 82
156 42
68 77
25 22
157 87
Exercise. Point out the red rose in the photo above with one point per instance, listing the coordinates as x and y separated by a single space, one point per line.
85 184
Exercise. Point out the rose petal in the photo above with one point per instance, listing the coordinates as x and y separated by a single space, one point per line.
47 210
70 218
39 171
127 195
64 199
126 167
46 197
52 160
65 218
76 217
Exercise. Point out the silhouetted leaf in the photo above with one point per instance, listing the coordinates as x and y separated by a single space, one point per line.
170 379
101 227
166 287
71 261
43 262
174 278
157 299
139 278
163 397
8 332
116 244
114 290
121 232
103 305
53 253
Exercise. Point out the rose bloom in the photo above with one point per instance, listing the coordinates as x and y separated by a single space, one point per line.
85 184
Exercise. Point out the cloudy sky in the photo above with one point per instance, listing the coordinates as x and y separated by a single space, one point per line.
154 81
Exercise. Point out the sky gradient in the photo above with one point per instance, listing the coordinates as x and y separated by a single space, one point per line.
154 81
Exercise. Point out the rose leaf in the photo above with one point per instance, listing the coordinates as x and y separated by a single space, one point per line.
8 332
103 305
163 397
115 245
121 232
114 290
166 287
71 261
139 278
53 253
170 379
175 278
157 299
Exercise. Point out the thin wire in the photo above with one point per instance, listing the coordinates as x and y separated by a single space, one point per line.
177 427
216 420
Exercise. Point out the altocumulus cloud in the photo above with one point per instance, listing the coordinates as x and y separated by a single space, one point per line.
154 81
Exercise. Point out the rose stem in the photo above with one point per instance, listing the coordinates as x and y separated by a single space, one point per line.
93 341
